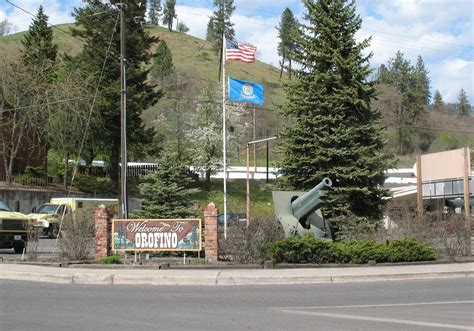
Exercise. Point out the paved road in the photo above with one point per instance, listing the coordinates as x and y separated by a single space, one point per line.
407 305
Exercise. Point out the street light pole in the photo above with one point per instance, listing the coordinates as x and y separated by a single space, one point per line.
248 174
123 116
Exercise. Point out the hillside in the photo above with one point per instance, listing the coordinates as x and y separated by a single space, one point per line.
196 66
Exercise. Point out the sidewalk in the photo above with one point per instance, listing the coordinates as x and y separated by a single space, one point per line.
233 276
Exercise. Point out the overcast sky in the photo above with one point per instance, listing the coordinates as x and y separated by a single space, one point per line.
441 31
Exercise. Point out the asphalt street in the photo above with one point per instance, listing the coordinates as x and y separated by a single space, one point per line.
393 305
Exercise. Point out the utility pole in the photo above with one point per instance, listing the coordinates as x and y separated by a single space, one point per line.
123 115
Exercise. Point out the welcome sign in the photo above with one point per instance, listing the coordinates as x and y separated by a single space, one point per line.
156 235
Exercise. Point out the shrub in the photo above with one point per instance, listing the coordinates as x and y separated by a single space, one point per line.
113 259
362 251
247 245
92 184
76 239
305 249
350 227
308 249
409 250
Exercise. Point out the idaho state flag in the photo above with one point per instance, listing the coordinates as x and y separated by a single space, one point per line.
246 91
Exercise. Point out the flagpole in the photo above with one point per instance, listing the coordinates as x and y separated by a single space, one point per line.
224 150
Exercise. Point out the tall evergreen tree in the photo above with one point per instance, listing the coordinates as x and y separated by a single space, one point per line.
169 14
166 192
154 12
221 24
287 31
210 35
162 62
463 106
421 84
412 83
39 51
438 103
141 93
332 131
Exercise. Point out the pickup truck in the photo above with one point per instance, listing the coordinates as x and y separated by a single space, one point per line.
13 228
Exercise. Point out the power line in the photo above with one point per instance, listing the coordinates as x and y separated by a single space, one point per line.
433 129
41 104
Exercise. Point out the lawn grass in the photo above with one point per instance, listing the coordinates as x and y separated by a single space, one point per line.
261 202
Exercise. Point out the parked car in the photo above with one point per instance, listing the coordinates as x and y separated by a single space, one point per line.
13 228
232 218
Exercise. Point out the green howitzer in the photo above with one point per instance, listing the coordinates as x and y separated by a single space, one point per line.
298 212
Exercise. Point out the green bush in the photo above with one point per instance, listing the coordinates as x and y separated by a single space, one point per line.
362 251
92 184
308 249
113 259
409 250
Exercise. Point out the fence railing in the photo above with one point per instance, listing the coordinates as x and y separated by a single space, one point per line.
25 180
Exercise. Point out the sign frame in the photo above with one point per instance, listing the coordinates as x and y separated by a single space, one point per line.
116 222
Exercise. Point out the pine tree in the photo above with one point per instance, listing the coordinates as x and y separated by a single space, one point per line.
141 93
210 35
169 14
332 131
287 30
221 24
438 103
39 51
464 108
154 12
162 62
412 83
206 135
166 192
421 84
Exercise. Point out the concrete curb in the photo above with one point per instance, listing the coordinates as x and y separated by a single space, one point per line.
231 277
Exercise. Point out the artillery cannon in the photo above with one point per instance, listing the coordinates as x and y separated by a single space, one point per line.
298 212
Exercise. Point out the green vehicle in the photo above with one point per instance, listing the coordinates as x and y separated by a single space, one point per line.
13 228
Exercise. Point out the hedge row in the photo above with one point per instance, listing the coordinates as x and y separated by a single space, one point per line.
308 249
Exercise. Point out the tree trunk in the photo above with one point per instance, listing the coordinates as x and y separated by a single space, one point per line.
282 65
220 65
66 161
289 69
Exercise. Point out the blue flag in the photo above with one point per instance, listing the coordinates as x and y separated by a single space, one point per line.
246 91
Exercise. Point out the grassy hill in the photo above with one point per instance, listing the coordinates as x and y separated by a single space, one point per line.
196 66
192 57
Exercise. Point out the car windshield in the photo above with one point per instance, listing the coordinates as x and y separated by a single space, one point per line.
47 209
4 206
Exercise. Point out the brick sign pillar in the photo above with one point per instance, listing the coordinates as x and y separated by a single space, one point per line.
103 232
210 225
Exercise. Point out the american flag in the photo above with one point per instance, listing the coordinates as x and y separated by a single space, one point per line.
239 51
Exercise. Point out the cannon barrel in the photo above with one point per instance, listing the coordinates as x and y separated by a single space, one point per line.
309 202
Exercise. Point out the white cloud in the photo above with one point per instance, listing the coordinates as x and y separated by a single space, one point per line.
57 13
438 30
450 75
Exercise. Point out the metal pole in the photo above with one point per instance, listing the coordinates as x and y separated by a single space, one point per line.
248 186
224 150
254 146
267 156
419 186
467 170
123 116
